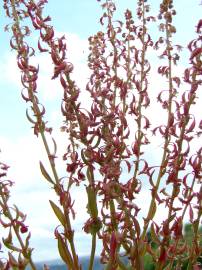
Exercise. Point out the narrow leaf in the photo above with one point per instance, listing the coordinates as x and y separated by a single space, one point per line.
154 236
58 212
64 252
92 204
152 211
27 240
45 174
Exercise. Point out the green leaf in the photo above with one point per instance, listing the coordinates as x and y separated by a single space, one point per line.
45 174
137 227
154 236
92 203
195 226
11 246
8 239
152 211
58 212
64 252
27 240
171 218
142 247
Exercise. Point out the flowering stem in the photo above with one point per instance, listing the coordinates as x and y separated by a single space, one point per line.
10 217
167 137
139 120
41 124
112 40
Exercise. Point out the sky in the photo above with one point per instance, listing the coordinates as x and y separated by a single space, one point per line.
20 149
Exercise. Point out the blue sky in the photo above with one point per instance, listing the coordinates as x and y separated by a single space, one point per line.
20 149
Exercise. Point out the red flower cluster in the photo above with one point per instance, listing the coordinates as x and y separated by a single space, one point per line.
112 137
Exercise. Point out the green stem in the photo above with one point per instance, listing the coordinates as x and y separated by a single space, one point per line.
93 248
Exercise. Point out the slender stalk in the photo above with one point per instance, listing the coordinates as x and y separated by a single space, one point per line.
167 138
93 249
180 144
139 120
112 40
